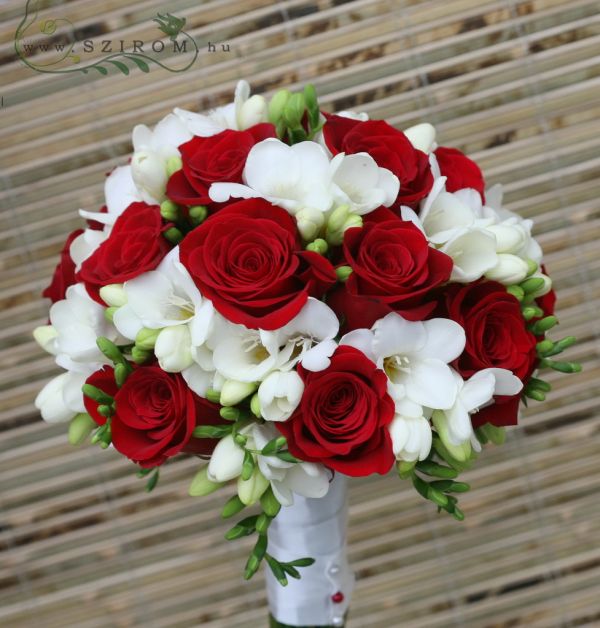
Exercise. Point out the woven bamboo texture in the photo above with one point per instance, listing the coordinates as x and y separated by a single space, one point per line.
514 83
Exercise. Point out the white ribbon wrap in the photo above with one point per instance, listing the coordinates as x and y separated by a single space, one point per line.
314 528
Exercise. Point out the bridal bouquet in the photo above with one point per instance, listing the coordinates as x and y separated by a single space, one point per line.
289 294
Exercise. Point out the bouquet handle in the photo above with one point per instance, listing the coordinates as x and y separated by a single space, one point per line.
314 528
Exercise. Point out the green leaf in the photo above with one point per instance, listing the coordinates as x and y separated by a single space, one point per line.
292 571
277 570
100 69
121 66
302 562
286 456
141 64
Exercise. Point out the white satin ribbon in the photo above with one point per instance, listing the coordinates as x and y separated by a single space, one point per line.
314 528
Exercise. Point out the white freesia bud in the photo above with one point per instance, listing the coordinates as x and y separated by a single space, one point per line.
411 438
226 461
460 452
114 295
251 490
280 394
45 336
50 401
201 484
421 136
253 111
173 349
510 269
509 238
233 391
309 222
149 174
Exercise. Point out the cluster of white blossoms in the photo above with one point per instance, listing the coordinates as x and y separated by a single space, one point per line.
163 314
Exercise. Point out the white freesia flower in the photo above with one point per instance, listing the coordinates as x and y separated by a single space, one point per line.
360 183
287 478
79 321
473 394
411 437
61 398
120 191
84 245
415 357
244 112
152 150
45 336
292 177
457 224
279 395
249 355
201 374
165 297
422 137
509 269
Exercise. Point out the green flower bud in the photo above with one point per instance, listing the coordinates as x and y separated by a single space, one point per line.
544 346
201 485
240 439
255 406
106 410
146 338
531 266
99 396
543 325
462 452
343 272
197 214
213 396
338 217
232 507
532 311
139 356
173 235
532 285
230 413
516 291
121 374
269 503
170 211
80 428
319 246
277 105
535 394
294 110
109 313
173 165
262 524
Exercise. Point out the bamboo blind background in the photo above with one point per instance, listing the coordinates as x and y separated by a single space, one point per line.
516 85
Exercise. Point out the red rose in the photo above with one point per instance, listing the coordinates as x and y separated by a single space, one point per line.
248 260
389 147
496 333
496 337
342 420
393 270
461 172
135 245
206 160
156 414
64 273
